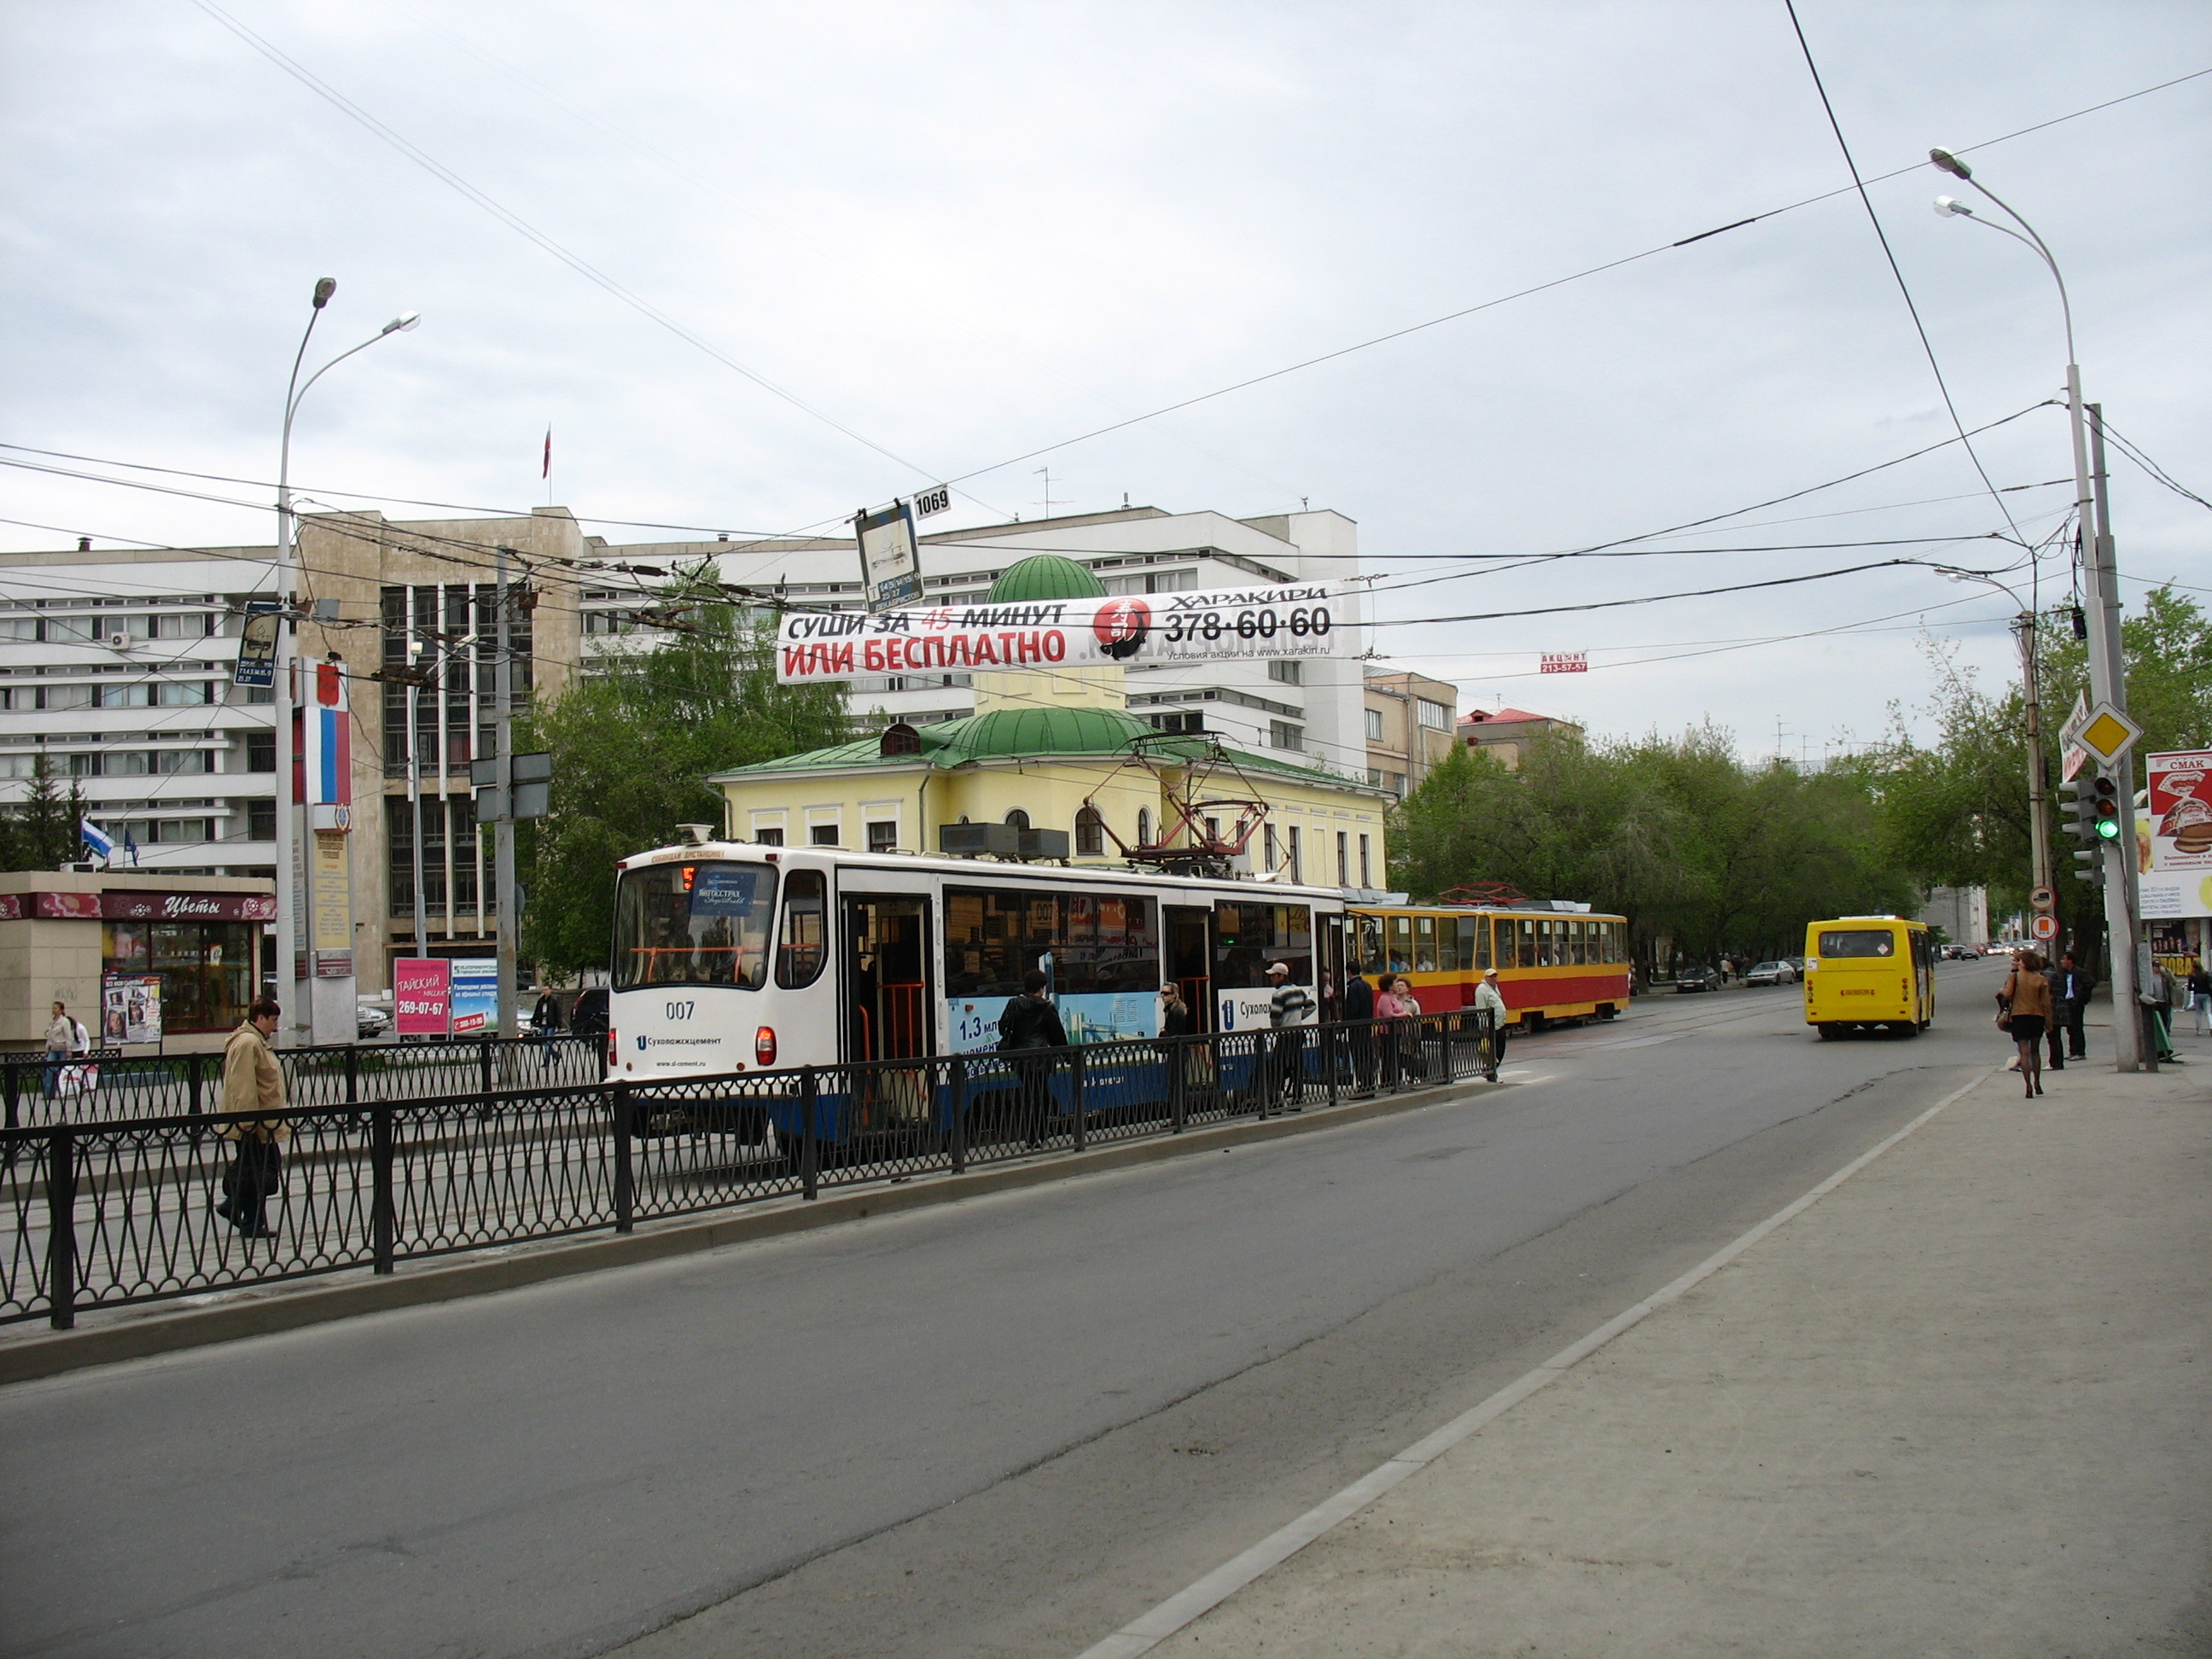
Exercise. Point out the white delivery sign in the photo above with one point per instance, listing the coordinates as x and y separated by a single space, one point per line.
1290 620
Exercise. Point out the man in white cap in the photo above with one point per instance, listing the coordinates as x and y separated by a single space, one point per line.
1490 999
1286 1011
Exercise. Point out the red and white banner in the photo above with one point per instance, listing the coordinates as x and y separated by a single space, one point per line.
1566 662
421 995
1291 620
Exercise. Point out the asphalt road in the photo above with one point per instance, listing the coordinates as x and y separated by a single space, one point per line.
1006 1425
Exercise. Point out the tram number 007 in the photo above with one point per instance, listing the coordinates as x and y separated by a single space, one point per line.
681 1010
1300 622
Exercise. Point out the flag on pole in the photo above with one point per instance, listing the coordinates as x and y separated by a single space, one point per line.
97 841
549 453
130 847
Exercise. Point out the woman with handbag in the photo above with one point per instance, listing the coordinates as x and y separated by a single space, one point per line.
2024 1012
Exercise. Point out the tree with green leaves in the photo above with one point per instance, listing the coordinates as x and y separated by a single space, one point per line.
40 832
632 743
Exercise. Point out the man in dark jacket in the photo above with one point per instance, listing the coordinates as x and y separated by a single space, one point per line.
2070 986
1358 1008
1027 1027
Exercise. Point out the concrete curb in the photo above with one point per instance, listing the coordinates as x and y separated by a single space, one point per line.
71 1351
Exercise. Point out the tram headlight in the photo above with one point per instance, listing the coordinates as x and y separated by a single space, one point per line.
764 1046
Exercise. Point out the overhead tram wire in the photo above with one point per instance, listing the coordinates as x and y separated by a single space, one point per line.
1559 281
2157 473
1919 328
530 232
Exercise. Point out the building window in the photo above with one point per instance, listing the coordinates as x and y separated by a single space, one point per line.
1434 715
1018 819
1267 845
1192 722
771 837
1343 859
822 835
1286 673
1366 876
1090 834
1298 854
261 820
1144 826
883 835
1374 725
1281 734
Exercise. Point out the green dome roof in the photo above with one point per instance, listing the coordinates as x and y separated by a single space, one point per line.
1045 576
1049 731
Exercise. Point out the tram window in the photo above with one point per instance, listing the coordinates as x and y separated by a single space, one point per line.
1104 942
703 924
1425 944
1370 956
1474 942
1578 943
1449 956
802 947
1254 935
1526 942
1399 957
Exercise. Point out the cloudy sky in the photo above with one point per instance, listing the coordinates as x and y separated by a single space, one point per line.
865 247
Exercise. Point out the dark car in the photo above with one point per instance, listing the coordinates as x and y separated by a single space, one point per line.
588 1019
1699 979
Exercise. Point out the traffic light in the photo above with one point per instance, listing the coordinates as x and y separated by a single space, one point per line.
2094 822
2081 823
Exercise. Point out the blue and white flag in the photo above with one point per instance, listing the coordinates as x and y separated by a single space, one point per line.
130 847
97 841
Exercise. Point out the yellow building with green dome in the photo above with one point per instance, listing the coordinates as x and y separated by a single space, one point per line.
1041 745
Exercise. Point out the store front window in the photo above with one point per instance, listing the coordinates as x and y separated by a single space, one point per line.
206 968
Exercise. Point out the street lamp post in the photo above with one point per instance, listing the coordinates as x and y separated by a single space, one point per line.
2108 672
291 865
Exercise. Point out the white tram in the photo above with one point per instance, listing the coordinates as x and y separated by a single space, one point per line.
731 956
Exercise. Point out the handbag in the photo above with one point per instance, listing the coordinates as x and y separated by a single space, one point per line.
2004 1007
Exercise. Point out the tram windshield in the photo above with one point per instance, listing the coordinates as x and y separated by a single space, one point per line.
693 924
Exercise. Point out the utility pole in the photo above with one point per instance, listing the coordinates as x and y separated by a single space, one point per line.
503 830
2122 902
2038 828
414 793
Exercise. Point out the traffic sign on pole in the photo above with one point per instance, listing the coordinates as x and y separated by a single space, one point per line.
2042 900
2045 928
2107 735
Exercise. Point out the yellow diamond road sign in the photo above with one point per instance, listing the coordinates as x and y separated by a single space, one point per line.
2108 734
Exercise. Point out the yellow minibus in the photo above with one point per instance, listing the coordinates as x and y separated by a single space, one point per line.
1865 972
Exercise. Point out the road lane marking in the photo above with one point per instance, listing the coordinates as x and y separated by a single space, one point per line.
1141 1635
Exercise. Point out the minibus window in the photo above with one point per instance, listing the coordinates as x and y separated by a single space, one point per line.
1858 942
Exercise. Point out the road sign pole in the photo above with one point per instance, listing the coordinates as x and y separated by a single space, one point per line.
503 830
2108 685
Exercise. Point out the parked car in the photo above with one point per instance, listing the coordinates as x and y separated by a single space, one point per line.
1697 979
370 1021
588 1019
1771 973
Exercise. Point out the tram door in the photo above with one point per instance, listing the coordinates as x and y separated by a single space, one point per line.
886 976
1188 931
1330 989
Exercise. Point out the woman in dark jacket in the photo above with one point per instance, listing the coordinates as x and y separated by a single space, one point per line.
1029 1026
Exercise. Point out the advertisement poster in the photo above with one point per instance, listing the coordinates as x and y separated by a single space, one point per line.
421 996
129 1009
1135 631
475 1000
2174 836
972 1023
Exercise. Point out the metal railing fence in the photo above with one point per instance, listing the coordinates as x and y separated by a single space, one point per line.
104 1214
104 1088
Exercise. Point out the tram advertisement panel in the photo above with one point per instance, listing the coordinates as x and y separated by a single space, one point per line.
1132 630
1099 953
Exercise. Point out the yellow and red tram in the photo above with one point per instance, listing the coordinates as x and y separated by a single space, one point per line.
1553 962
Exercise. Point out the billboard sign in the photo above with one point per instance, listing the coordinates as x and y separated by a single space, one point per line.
475 995
256 644
129 1009
891 558
1294 619
2175 831
421 996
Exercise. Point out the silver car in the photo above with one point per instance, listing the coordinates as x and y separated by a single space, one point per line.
1771 973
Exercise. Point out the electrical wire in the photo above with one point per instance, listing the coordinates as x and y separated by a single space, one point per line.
2158 473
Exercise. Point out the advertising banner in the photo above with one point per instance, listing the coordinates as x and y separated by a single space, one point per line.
890 561
475 998
2176 878
421 996
334 907
130 1008
256 644
1135 631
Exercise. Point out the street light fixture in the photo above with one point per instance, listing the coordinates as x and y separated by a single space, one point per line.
2107 677
287 920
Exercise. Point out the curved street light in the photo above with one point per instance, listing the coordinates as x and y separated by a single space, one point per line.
2107 678
288 923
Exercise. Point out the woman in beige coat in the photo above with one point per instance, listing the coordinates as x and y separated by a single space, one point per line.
2026 1001
253 1082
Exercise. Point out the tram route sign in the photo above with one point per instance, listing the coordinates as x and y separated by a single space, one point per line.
1291 619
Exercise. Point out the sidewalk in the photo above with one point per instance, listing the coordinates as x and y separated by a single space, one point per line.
1956 1406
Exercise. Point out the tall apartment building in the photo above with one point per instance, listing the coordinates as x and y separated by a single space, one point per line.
118 666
